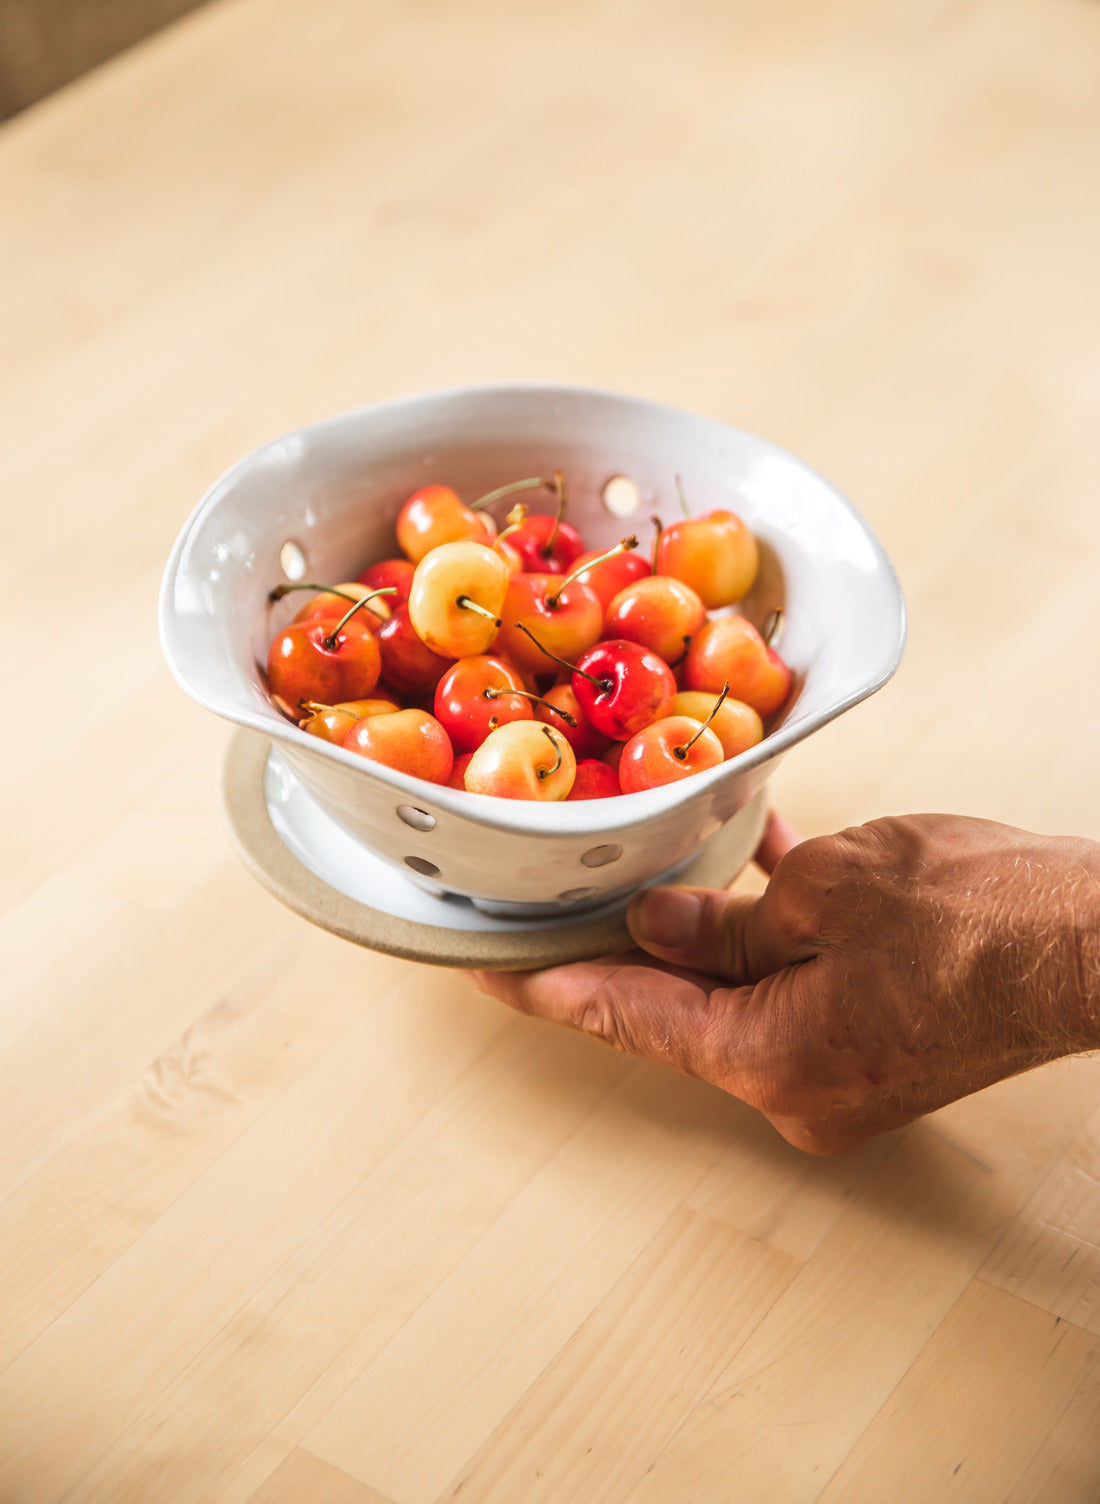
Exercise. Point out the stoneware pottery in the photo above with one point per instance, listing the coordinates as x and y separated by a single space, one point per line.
320 504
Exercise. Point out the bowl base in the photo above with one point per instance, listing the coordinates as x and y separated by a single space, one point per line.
317 868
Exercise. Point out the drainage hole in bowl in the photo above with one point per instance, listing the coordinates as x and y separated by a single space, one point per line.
424 867
574 895
293 560
621 496
599 856
419 819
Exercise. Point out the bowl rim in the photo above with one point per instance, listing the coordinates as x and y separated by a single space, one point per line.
524 817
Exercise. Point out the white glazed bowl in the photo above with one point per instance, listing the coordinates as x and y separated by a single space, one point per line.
334 489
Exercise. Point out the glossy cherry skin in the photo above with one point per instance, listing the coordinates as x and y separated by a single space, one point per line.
594 780
523 760
661 753
736 725
408 666
716 555
585 740
731 651
475 696
610 576
408 740
634 687
333 722
390 574
446 580
531 540
457 779
435 515
306 663
658 611
565 624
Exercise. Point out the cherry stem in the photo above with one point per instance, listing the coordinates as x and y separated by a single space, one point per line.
680 494
534 483
603 685
466 604
549 772
559 485
682 752
771 627
495 694
329 642
623 546
659 525
281 590
515 519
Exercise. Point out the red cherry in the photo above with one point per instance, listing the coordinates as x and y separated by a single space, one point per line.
622 687
408 740
323 660
408 666
607 576
585 740
475 696
669 749
547 546
594 780
566 617
390 574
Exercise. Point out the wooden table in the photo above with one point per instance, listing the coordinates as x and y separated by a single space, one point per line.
285 1221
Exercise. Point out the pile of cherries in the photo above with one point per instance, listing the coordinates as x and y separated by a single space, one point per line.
519 664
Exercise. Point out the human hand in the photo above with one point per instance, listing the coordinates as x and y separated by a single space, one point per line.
884 972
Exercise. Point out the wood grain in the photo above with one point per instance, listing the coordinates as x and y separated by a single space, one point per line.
281 1219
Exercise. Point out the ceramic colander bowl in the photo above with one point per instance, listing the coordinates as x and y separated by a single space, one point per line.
320 504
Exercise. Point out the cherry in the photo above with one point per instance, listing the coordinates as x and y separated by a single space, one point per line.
408 666
594 780
622 686
333 722
736 725
582 736
549 544
715 554
672 748
731 650
435 515
330 661
457 779
387 574
456 598
522 760
562 613
475 696
408 740
606 576
658 611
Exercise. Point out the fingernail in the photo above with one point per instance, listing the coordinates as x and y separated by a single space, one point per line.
667 916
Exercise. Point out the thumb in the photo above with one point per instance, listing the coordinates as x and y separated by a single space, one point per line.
702 929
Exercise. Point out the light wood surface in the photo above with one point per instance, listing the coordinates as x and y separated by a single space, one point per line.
282 1220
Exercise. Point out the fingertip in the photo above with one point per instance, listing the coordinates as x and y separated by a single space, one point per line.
778 838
